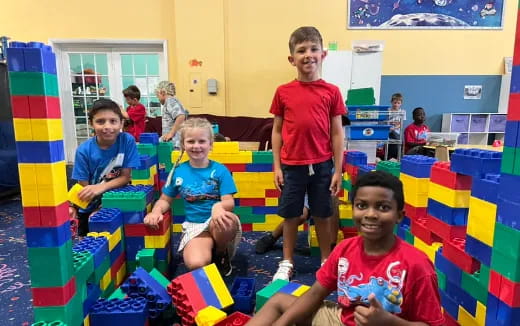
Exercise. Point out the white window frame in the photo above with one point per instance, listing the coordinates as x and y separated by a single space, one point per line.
113 49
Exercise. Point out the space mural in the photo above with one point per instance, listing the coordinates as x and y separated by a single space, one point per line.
423 14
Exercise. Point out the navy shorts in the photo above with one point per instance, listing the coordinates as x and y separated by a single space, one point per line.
297 182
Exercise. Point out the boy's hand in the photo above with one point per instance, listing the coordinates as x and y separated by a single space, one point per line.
153 219
278 179
73 212
336 184
91 191
372 315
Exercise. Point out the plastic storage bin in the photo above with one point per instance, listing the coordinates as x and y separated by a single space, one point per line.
463 139
497 123
368 112
442 138
460 122
478 123
367 147
367 132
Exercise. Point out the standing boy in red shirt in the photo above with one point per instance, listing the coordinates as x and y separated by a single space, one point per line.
380 279
415 134
307 134
135 112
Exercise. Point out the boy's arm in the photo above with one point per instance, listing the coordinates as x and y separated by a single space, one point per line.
91 191
176 126
276 144
375 314
337 136
123 112
305 306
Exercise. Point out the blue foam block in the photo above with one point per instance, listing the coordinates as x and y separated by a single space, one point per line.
39 57
15 57
40 151
48 237
486 188
128 311
449 215
418 166
508 187
149 138
106 220
462 297
93 293
265 210
116 252
243 293
452 271
511 136
475 162
355 158
205 287
479 250
507 212
450 305
259 167
132 247
98 247
133 217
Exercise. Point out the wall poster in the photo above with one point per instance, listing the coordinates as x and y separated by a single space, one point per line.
425 14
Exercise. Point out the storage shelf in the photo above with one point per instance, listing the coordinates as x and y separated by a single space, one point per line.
475 128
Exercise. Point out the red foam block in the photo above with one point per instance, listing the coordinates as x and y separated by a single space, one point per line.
251 201
421 231
513 111
504 289
235 167
46 216
415 212
444 230
454 251
441 174
141 230
54 296
272 193
44 107
20 107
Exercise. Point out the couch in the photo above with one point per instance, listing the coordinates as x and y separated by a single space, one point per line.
247 129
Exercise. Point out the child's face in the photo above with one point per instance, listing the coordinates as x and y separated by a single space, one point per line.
161 96
375 212
107 126
396 105
197 143
307 58
131 101
419 116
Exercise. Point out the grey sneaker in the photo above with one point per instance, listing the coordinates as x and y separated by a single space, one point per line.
223 263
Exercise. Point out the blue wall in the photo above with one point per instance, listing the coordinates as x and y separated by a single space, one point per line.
441 94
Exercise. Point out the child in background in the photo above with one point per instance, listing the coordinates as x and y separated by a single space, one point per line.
173 113
416 133
395 122
103 162
307 134
211 231
135 112
380 279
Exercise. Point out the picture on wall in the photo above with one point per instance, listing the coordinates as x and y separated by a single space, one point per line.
425 14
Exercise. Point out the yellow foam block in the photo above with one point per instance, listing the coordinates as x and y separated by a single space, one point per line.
105 280
481 220
427 249
178 228
51 174
113 239
22 129
273 219
146 182
73 196
256 177
209 316
264 226
449 197
271 201
466 319
30 196
249 193
417 185
228 147
175 156
345 211
415 199
301 290
218 285
121 275
27 174
86 321
157 241
240 157
47 129
346 177
149 208
52 195
480 315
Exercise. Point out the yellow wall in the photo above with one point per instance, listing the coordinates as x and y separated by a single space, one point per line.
243 44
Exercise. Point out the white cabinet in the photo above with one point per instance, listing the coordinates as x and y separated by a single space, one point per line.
353 70
475 128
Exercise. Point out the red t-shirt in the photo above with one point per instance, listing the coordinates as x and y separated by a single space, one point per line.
137 114
415 134
403 280
307 109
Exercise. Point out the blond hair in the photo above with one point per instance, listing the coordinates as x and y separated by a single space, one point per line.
167 87
193 123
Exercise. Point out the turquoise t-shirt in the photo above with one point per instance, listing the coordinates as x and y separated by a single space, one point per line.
200 188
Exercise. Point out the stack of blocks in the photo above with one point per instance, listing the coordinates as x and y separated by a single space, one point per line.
147 172
134 202
43 182
256 202
281 286
198 289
